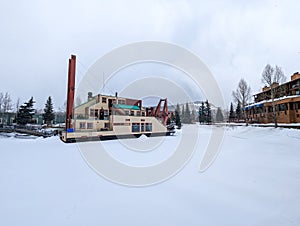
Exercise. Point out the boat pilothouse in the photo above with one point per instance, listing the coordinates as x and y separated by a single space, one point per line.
104 117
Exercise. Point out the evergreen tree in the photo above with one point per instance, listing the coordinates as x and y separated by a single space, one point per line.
187 114
219 115
208 117
48 115
231 113
177 117
182 114
238 111
26 112
202 113
168 121
193 116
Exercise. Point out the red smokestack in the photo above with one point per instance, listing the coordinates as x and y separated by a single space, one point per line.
70 91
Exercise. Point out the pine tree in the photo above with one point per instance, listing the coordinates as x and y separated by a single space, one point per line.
177 117
238 111
231 113
193 116
208 113
187 114
48 115
26 112
202 113
182 116
219 115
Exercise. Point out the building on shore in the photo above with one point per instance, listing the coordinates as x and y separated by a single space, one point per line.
112 117
287 103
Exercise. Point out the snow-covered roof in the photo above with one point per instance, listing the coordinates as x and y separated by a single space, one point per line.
259 104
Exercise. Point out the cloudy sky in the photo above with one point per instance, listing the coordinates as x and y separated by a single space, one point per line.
234 39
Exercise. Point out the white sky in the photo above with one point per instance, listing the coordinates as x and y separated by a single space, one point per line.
234 39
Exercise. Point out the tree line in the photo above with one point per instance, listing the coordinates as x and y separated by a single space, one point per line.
25 112
203 115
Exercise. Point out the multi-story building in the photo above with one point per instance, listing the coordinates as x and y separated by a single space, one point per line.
111 117
95 114
287 103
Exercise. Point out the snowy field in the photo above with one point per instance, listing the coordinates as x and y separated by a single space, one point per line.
255 180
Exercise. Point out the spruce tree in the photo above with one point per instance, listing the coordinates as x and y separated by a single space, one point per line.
48 115
26 112
208 113
182 116
219 115
193 116
231 113
187 114
177 117
202 113
238 111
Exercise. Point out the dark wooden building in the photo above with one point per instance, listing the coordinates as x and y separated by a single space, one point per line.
287 103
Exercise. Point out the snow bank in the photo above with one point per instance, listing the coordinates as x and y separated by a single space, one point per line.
255 180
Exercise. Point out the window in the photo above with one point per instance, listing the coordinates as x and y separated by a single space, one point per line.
121 101
103 99
281 107
126 112
82 125
105 114
132 113
148 126
270 109
101 115
90 125
142 127
143 113
135 127
138 113
94 113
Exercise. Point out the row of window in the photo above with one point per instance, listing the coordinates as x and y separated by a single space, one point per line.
141 127
103 114
84 125
104 100
131 113
136 127
99 113
280 107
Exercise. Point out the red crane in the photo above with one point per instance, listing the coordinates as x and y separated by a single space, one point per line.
158 113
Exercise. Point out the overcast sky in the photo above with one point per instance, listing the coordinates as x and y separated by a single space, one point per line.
234 39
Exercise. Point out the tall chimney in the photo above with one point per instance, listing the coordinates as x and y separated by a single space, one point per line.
90 96
70 91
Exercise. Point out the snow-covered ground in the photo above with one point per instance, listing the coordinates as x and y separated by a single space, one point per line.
255 180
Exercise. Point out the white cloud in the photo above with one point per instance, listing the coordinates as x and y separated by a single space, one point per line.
234 38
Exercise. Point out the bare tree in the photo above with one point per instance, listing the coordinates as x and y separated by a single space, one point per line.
7 103
17 105
1 101
242 95
270 77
